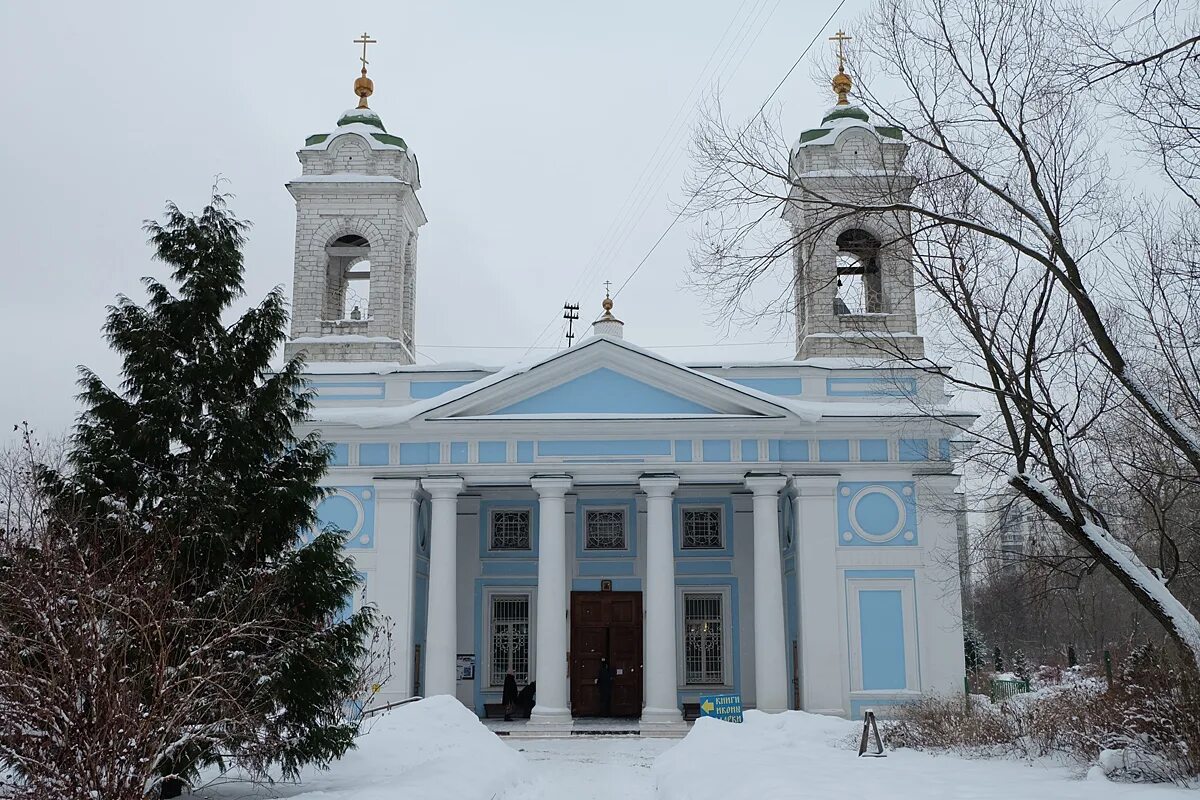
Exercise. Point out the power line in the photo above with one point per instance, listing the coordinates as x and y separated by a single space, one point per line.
770 97
657 167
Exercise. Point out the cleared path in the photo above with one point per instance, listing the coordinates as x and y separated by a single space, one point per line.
588 768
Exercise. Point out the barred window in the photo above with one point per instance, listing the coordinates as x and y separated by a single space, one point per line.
510 529
701 529
604 529
703 642
510 638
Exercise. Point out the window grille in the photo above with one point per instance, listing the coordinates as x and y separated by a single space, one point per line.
703 642
701 529
605 529
510 638
510 529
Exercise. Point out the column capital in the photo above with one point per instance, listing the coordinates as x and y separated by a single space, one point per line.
765 483
443 487
942 483
815 485
396 488
663 485
550 485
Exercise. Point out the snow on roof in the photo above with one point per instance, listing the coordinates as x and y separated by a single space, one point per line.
346 177
367 132
388 367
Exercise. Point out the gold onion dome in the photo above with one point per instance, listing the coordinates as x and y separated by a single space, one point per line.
841 82
364 87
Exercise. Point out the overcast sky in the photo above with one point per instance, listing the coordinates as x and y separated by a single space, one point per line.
533 122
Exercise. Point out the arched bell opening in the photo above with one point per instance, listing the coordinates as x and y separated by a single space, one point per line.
348 295
859 281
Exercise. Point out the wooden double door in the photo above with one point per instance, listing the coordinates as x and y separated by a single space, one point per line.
606 630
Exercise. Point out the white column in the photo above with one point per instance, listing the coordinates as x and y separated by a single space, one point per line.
770 631
660 648
550 667
395 585
441 632
823 659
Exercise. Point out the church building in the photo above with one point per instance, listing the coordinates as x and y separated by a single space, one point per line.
631 532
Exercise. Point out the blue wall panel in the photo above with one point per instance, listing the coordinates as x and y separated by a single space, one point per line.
493 452
873 450
374 454
834 449
422 390
716 449
785 387
881 628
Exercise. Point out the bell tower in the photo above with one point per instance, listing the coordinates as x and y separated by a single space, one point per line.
357 221
853 270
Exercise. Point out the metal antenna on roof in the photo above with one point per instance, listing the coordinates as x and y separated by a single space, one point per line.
570 314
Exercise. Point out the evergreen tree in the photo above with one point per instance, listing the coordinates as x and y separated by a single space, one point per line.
196 449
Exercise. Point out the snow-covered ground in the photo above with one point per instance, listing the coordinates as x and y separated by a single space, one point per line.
437 749
797 755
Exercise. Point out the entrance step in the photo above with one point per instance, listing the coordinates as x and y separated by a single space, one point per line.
520 729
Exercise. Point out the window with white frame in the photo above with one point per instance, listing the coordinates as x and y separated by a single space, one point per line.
604 529
703 638
510 638
510 529
701 528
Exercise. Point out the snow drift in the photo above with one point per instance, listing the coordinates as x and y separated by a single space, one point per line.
433 749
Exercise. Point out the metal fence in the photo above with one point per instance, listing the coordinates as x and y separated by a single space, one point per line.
1003 689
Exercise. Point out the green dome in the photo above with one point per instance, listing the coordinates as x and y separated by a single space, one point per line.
364 116
845 112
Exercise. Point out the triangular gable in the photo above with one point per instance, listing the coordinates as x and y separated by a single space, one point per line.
605 391
600 378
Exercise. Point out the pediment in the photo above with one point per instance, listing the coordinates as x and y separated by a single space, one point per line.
604 378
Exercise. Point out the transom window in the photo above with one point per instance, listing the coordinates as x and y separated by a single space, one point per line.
510 529
510 638
703 638
701 529
604 529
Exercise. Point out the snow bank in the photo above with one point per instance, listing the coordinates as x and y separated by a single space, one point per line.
431 749
798 755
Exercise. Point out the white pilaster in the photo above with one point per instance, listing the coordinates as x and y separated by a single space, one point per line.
441 634
550 668
939 590
770 635
659 650
822 640
395 531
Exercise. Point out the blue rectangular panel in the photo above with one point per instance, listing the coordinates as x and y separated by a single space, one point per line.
524 452
458 452
773 450
348 390
340 456
870 387
793 450
749 450
373 455
873 450
785 387
683 449
605 447
944 449
716 449
493 452
914 449
881 630
834 449
420 453
422 390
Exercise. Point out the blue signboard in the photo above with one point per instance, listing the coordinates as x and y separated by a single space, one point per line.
726 707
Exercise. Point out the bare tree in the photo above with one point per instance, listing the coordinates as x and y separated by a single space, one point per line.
1061 298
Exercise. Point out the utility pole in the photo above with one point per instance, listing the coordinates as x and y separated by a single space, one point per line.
570 314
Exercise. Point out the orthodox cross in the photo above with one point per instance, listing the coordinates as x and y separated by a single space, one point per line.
841 38
607 286
364 41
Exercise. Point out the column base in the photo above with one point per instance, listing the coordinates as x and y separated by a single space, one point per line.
550 719
662 722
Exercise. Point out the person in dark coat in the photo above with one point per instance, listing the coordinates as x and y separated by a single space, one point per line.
510 695
525 699
604 681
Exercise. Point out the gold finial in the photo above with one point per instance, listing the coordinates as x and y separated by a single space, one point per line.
607 297
841 81
364 87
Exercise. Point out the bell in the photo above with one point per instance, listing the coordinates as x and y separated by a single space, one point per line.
355 313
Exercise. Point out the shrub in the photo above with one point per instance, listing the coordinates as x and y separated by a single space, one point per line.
944 723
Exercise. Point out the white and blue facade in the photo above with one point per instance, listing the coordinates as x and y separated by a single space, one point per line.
789 527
